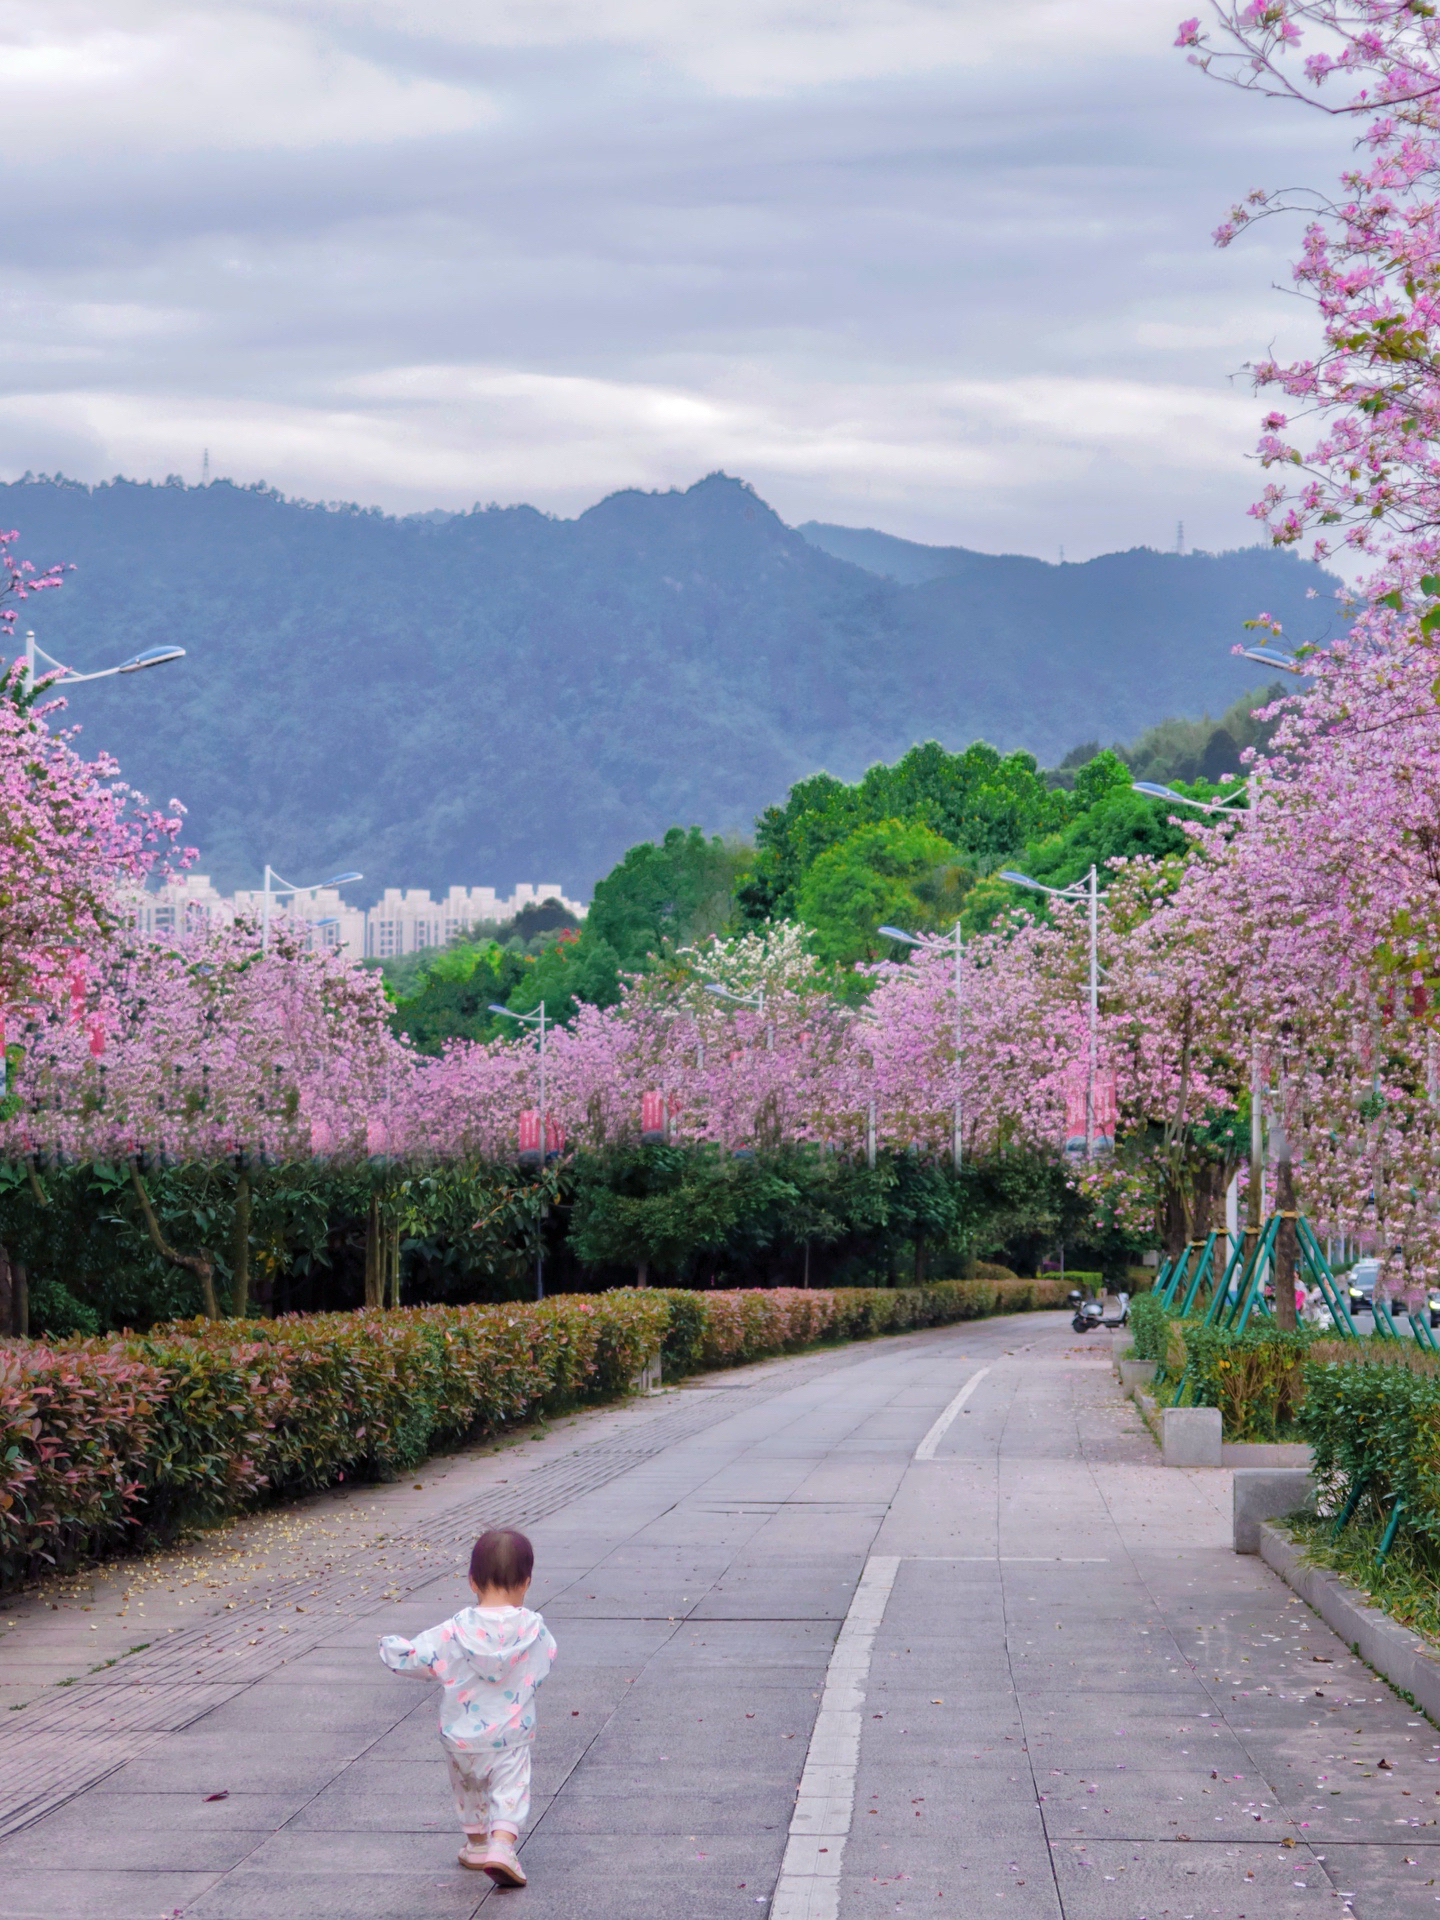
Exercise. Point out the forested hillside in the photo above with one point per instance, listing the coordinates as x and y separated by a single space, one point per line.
499 695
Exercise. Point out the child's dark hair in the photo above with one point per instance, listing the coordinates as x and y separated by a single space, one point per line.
502 1558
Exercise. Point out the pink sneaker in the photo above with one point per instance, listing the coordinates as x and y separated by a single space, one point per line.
502 1865
474 1852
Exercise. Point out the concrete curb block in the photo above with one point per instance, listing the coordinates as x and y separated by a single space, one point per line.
1261 1453
1411 1665
1267 1493
1149 1411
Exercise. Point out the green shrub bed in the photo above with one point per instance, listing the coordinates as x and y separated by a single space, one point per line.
1372 1415
109 1444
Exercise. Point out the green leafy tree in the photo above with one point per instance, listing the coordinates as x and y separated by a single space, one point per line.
894 871
983 803
666 895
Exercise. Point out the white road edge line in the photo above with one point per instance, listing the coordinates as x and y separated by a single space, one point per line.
809 1883
926 1448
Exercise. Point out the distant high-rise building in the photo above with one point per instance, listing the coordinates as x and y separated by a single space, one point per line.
406 919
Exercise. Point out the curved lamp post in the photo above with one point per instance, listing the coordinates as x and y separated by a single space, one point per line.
538 1021
1086 889
278 889
59 675
914 940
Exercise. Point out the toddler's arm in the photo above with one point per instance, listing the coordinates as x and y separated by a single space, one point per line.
418 1656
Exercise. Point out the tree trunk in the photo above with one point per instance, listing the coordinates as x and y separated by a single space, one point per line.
1172 1234
240 1259
1285 1237
919 1260
392 1248
374 1256
200 1264
20 1282
642 1273
7 1296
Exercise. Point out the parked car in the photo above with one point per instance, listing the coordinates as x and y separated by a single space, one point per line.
1361 1282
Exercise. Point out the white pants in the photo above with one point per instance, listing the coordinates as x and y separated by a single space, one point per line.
491 1788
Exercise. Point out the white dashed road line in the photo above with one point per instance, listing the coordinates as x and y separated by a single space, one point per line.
809 1885
926 1448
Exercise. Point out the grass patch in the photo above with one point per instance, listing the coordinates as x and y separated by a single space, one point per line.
1403 1584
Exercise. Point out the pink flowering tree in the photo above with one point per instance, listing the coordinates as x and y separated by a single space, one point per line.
74 838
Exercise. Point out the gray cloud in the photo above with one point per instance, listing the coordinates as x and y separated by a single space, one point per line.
940 268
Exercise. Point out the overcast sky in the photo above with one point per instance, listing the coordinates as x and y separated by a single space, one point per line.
937 266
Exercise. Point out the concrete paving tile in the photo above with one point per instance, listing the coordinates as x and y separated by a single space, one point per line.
778 1646
362 1850
960 1873
734 1807
101 1844
623 1644
1392 1882
1155 1804
58 1893
804 1594
713 1877
1105 1880
445 1892
806 1473
233 1766
111 1809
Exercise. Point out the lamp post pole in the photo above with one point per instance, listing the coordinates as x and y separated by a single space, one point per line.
1231 808
913 940
1088 890
1094 1014
284 890
538 1021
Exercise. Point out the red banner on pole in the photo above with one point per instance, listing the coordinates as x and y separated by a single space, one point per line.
530 1134
1105 1116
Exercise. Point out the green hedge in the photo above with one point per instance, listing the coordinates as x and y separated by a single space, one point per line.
1149 1326
1373 1420
106 1444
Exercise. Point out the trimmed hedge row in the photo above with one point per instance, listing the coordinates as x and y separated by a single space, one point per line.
1257 1378
1373 1419
107 1444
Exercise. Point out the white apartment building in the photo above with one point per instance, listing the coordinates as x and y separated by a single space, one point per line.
407 919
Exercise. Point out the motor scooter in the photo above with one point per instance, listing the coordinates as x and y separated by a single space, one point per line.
1090 1314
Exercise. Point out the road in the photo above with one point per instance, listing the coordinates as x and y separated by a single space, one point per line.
802 1671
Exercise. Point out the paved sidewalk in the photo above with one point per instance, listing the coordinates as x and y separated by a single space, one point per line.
1067 1696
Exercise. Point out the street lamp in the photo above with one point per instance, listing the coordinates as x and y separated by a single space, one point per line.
1154 792
756 1000
64 676
1087 889
1257 1127
914 940
276 888
1268 658
537 1020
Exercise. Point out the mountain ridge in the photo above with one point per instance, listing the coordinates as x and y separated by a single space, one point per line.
482 697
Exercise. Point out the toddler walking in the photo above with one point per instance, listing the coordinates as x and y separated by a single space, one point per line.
490 1659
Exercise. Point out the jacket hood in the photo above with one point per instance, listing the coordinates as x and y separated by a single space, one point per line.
493 1637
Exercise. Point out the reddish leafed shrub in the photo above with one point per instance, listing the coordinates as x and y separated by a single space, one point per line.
107 1443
